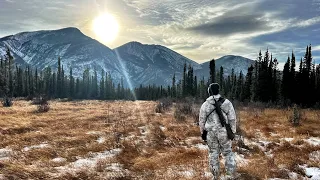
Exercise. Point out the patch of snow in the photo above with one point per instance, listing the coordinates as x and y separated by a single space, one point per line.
263 144
273 134
5 153
162 128
143 130
114 167
89 162
201 146
313 172
101 140
240 160
207 174
313 141
40 146
287 139
59 160
293 175
96 156
95 133
187 174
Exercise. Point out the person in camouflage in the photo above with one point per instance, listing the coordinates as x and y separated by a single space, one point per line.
217 138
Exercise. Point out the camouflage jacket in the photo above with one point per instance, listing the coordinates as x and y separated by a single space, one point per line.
213 121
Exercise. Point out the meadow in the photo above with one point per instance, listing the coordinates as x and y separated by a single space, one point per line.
129 140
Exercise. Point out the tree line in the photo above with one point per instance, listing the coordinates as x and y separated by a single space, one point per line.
16 81
263 82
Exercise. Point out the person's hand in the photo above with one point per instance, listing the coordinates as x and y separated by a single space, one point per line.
204 135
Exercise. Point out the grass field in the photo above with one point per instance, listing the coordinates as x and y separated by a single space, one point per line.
129 140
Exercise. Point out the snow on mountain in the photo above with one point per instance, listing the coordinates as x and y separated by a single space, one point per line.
136 63
229 62
148 64
42 48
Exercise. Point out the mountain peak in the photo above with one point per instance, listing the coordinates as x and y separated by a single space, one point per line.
70 30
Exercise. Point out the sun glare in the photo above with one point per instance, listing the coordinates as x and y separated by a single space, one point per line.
106 28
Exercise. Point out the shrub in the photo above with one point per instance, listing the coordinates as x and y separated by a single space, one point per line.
29 98
7 102
178 115
43 105
37 100
166 103
195 116
185 108
163 105
295 117
159 108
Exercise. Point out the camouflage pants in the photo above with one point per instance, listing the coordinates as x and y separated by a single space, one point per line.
218 142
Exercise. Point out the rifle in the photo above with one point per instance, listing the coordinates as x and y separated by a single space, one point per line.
222 118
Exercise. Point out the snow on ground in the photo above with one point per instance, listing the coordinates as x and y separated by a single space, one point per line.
95 133
313 172
143 130
114 167
101 140
287 139
43 145
5 154
313 141
241 161
162 128
59 160
90 162
201 146
293 175
187 174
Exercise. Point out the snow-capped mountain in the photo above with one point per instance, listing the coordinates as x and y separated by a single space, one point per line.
136 63
229 62
42 48
148 64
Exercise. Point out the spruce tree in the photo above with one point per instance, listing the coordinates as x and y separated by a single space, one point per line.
59 78
285 87
71 85
184 83
102 86
212 67
221 80
248 84
173 91
292 86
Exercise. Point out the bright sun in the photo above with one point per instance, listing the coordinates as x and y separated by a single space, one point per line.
106 27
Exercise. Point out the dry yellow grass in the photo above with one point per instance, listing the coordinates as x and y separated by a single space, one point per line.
153 145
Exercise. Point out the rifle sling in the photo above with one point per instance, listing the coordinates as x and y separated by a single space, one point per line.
221 100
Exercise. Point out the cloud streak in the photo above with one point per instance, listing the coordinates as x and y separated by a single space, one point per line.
225 25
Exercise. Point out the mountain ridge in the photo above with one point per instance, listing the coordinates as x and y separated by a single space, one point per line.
139 63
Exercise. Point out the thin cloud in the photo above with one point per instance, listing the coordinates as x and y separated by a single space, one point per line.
224 26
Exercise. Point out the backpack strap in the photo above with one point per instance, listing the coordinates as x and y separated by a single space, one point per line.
221 100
